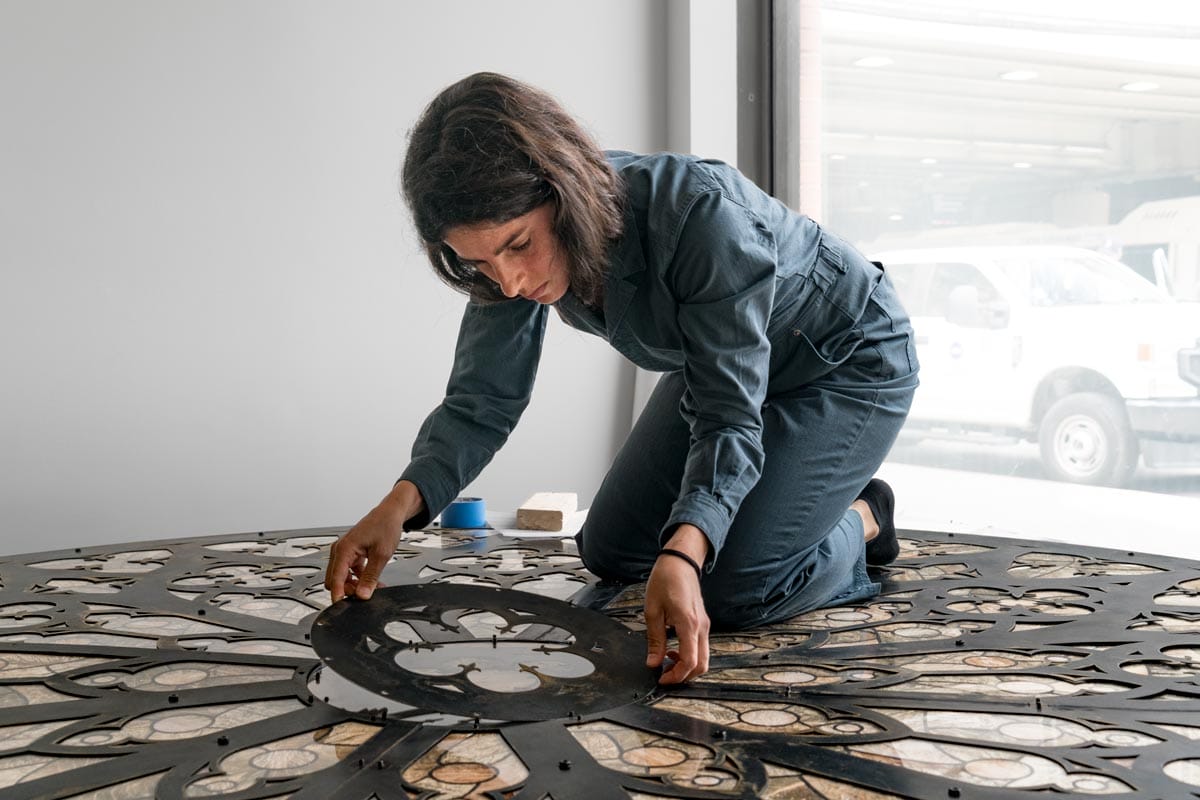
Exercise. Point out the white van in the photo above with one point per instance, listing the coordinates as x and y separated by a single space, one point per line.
1160 240
1058 345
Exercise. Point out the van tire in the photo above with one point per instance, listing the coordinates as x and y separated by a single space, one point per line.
1085 438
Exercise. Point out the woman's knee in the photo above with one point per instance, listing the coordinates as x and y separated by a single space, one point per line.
726 616
607 559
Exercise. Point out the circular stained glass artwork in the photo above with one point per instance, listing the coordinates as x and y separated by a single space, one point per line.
492 667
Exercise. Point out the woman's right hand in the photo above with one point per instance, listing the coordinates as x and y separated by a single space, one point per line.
357 559
674 599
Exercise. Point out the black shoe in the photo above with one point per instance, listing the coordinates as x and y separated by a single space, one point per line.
884 548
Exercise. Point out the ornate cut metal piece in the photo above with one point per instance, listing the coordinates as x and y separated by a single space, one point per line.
987 668
483 653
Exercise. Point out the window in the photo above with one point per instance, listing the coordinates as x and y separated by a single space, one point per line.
1026 170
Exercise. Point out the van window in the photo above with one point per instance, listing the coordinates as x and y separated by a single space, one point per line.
1078 280
949 277
1140 257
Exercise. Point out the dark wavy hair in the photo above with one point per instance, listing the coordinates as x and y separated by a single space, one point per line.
488 149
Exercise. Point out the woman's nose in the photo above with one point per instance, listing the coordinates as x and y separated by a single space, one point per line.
512 281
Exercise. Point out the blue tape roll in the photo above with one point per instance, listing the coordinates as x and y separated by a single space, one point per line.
465 512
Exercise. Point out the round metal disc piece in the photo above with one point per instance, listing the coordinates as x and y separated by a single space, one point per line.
494 654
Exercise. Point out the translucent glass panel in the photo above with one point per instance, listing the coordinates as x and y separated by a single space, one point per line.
1028 173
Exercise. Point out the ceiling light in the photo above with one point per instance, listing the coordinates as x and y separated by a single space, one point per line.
837 157
895 217
1018 75
1022 164
1140 86
928 160
873 61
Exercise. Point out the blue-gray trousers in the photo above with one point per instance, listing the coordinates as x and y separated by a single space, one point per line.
794 544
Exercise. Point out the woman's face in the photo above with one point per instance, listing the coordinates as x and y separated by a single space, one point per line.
522 256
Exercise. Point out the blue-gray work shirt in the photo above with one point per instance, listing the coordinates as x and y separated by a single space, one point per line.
711 276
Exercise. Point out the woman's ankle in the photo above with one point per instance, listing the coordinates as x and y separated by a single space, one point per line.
870 524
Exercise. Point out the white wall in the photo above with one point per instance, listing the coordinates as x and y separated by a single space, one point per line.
213 314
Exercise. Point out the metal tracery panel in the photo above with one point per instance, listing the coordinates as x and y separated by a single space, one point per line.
989 668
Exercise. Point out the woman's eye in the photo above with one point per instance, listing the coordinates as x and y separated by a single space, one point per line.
523 246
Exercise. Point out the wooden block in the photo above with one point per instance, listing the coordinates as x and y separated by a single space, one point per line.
547 511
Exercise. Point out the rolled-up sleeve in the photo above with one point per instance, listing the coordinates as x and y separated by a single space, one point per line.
723 276
495 363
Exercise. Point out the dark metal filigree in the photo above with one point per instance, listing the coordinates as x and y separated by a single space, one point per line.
987 668
483 653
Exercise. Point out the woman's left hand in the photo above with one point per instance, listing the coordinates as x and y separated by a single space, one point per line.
673 598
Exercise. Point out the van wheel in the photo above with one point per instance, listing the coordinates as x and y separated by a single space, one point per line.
1086 438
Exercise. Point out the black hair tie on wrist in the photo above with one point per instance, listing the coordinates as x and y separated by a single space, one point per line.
667 551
